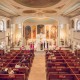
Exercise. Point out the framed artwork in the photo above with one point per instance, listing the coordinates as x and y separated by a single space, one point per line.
47 32
34 32
40 29
53 32
27 32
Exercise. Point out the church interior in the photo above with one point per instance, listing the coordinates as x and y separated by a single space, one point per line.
39 39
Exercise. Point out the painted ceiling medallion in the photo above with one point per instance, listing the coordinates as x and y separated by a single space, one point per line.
37 3
49 11
29 11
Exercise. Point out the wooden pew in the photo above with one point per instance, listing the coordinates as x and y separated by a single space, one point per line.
15 77
52 76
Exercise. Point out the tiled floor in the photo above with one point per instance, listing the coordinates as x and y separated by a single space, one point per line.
38 67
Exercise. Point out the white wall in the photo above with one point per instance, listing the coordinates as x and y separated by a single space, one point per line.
4 34
74 35
21 19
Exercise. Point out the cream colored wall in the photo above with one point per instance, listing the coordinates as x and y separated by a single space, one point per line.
4 34
64 31
20 20
59 19
74 36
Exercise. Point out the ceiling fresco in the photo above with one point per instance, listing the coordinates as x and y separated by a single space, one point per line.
29 11
48 8
37 3
49 11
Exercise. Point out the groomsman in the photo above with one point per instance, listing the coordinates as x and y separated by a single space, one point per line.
44 45
47 45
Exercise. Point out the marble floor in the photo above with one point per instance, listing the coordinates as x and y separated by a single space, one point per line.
38 69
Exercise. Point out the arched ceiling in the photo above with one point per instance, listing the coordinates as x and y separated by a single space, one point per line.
48 8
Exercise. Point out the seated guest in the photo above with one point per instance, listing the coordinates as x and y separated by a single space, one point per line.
24 60
49 57
16 71
4 71
18 65
0 59
11 73
53 58
23 56
49 52
1 64
24 66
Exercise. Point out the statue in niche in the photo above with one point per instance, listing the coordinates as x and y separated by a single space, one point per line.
40 29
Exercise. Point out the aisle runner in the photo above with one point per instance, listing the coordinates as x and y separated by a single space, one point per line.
38 67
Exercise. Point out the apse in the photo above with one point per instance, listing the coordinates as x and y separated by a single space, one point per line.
41 30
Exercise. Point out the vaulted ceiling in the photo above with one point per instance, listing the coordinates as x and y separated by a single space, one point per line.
15 8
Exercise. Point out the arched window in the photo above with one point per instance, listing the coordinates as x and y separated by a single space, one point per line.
1 26
78 25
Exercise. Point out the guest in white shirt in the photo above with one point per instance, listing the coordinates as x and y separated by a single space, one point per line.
18 65
11 73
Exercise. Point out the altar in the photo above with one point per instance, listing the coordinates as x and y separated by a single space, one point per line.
40 40
43 36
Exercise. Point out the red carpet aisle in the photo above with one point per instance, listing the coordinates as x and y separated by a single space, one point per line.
38 67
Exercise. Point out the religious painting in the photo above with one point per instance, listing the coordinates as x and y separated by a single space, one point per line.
47 32
40 29
27 32
34 32
53 32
